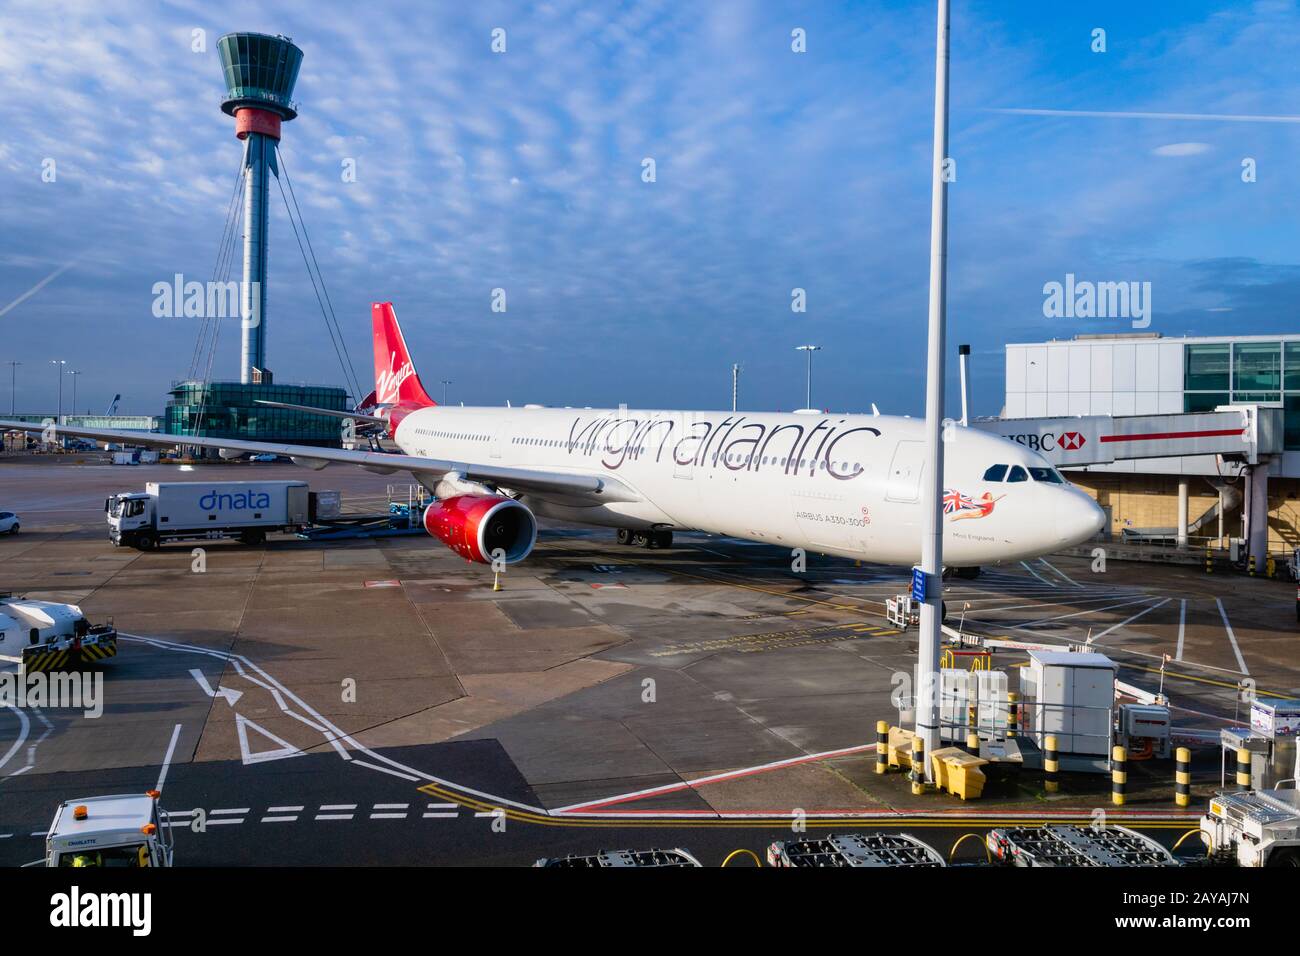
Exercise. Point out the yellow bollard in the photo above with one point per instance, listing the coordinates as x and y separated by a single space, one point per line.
1270 566
882 746
1182 776
918 765
1013 709
1251 565
1118 775
1209 560
973 744
1051 764
1243 768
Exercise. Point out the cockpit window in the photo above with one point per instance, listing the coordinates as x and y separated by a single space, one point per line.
996 473
1049 475
1018 474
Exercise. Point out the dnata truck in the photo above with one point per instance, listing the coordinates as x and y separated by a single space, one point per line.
116 831
46 636
204 510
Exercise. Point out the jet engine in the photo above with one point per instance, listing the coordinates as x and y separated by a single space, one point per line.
478 526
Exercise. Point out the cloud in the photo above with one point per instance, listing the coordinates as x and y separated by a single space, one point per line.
1181 149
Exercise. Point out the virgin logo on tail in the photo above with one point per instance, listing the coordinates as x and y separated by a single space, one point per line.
389 382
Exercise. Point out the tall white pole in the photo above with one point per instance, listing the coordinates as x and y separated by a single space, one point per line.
735 385
927 702
963 359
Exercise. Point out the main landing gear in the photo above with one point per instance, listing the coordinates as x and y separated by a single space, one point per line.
645 539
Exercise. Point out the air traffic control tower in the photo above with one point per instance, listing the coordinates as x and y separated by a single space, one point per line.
260 73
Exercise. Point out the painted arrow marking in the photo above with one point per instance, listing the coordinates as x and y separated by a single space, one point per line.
229 694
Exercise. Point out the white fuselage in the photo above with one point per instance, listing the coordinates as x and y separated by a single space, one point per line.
848 485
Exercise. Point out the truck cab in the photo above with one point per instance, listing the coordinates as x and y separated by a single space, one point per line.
127 515
115 831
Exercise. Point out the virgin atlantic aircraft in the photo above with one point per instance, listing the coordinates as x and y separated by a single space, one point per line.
846 485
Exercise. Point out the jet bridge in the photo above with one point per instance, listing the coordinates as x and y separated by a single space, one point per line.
1249 435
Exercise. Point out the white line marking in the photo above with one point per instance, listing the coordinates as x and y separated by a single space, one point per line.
167 760
395 773
230 810
1051 584
1232 638
440 816
333 816
334 735
285 809
444 806
5 836
217 823
289 819
1182 629
391 806
388 816
1129 620
1061 573
338 806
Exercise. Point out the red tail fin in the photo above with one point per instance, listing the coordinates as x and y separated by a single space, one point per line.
395 380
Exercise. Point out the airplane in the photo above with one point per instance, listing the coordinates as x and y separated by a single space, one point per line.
844 485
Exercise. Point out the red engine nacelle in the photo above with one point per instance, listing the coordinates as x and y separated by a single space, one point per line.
477 526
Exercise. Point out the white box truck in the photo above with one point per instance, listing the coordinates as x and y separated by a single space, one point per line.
205 510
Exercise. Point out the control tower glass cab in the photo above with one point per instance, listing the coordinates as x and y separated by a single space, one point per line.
260 72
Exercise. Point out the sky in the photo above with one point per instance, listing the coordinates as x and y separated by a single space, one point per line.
522 170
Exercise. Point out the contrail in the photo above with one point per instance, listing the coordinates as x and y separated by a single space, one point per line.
38 287
1118 114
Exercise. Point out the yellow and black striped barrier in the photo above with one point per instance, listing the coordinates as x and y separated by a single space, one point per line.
1051 765
1243 768
1251 566
1182 777
44 661
1013 708
1118 775
1209 560
882 746
918 765
37 660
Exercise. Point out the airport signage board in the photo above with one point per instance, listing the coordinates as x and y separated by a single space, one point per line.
918 585
1062 441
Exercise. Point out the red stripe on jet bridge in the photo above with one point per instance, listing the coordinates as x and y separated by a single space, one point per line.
1216 433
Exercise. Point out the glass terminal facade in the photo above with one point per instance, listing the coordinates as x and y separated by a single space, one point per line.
230 410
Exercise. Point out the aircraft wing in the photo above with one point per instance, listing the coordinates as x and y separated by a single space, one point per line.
357 417
590 487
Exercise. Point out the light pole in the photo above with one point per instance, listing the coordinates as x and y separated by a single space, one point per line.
445 383
13 388
58 365
74 373
810 349
927 690
735 384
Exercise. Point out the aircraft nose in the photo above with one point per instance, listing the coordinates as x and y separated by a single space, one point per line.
1079 519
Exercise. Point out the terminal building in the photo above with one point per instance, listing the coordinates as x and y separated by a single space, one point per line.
1119 398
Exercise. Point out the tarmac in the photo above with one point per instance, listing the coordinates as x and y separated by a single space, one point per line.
376 701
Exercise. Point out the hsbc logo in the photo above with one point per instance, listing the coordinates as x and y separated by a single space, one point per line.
1051 441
